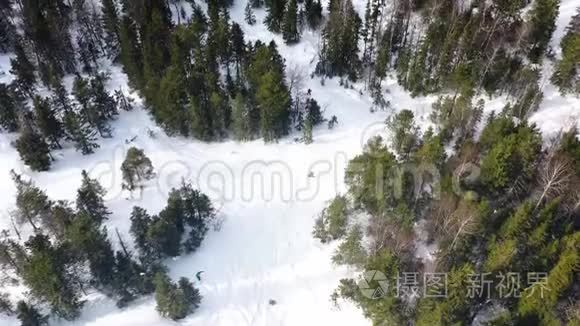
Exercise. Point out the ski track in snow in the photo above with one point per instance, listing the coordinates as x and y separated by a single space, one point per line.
264 249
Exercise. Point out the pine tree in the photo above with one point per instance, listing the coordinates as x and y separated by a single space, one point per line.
249 14
91 243
340 48
50 127
23 69
131 279
136 169
140 222
111 25
313 9
275 9
60 100
8 114
28 315
192 297
131 53
33 150
242 128
543 23
404 133
80 132
239 51
175 301
47 274
274 101
90 199
566 70
32 204
290 31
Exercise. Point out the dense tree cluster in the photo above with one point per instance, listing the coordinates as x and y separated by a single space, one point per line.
70 251
198 77
500 206
458 47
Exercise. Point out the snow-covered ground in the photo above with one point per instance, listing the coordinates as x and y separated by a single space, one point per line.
264 249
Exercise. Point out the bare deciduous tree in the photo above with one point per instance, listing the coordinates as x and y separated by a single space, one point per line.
554 177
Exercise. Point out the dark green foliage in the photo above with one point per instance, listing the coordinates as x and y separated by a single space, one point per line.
290 28
340 48
28 315
367 176
136 169
272 97
33 150
351 251
332 222
32 204
160 236
131 279
8 114
49 279
91 243
46 26
50 127
543 23
23 69
511 157
131 56
405 133
275 16
249 14
313 9
80 133
97 106
90 199
570 145
175 301
112 28
566 71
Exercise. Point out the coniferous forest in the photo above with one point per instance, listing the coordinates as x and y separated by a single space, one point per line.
488 191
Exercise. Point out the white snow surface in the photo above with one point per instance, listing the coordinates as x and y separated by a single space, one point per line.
264 249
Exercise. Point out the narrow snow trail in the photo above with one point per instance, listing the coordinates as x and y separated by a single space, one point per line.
264 249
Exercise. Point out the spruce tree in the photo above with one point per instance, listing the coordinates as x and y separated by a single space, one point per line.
112 28
175 301
47 274
566 70
140 222
275 15
543 23
50 127
404 132
290 31
28 315
274 101
313 9
241 123
80 132
33 150
8 114
340 48
249 14
32 204
131 53
90 199
23 69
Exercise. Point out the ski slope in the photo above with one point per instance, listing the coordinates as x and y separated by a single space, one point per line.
264 249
